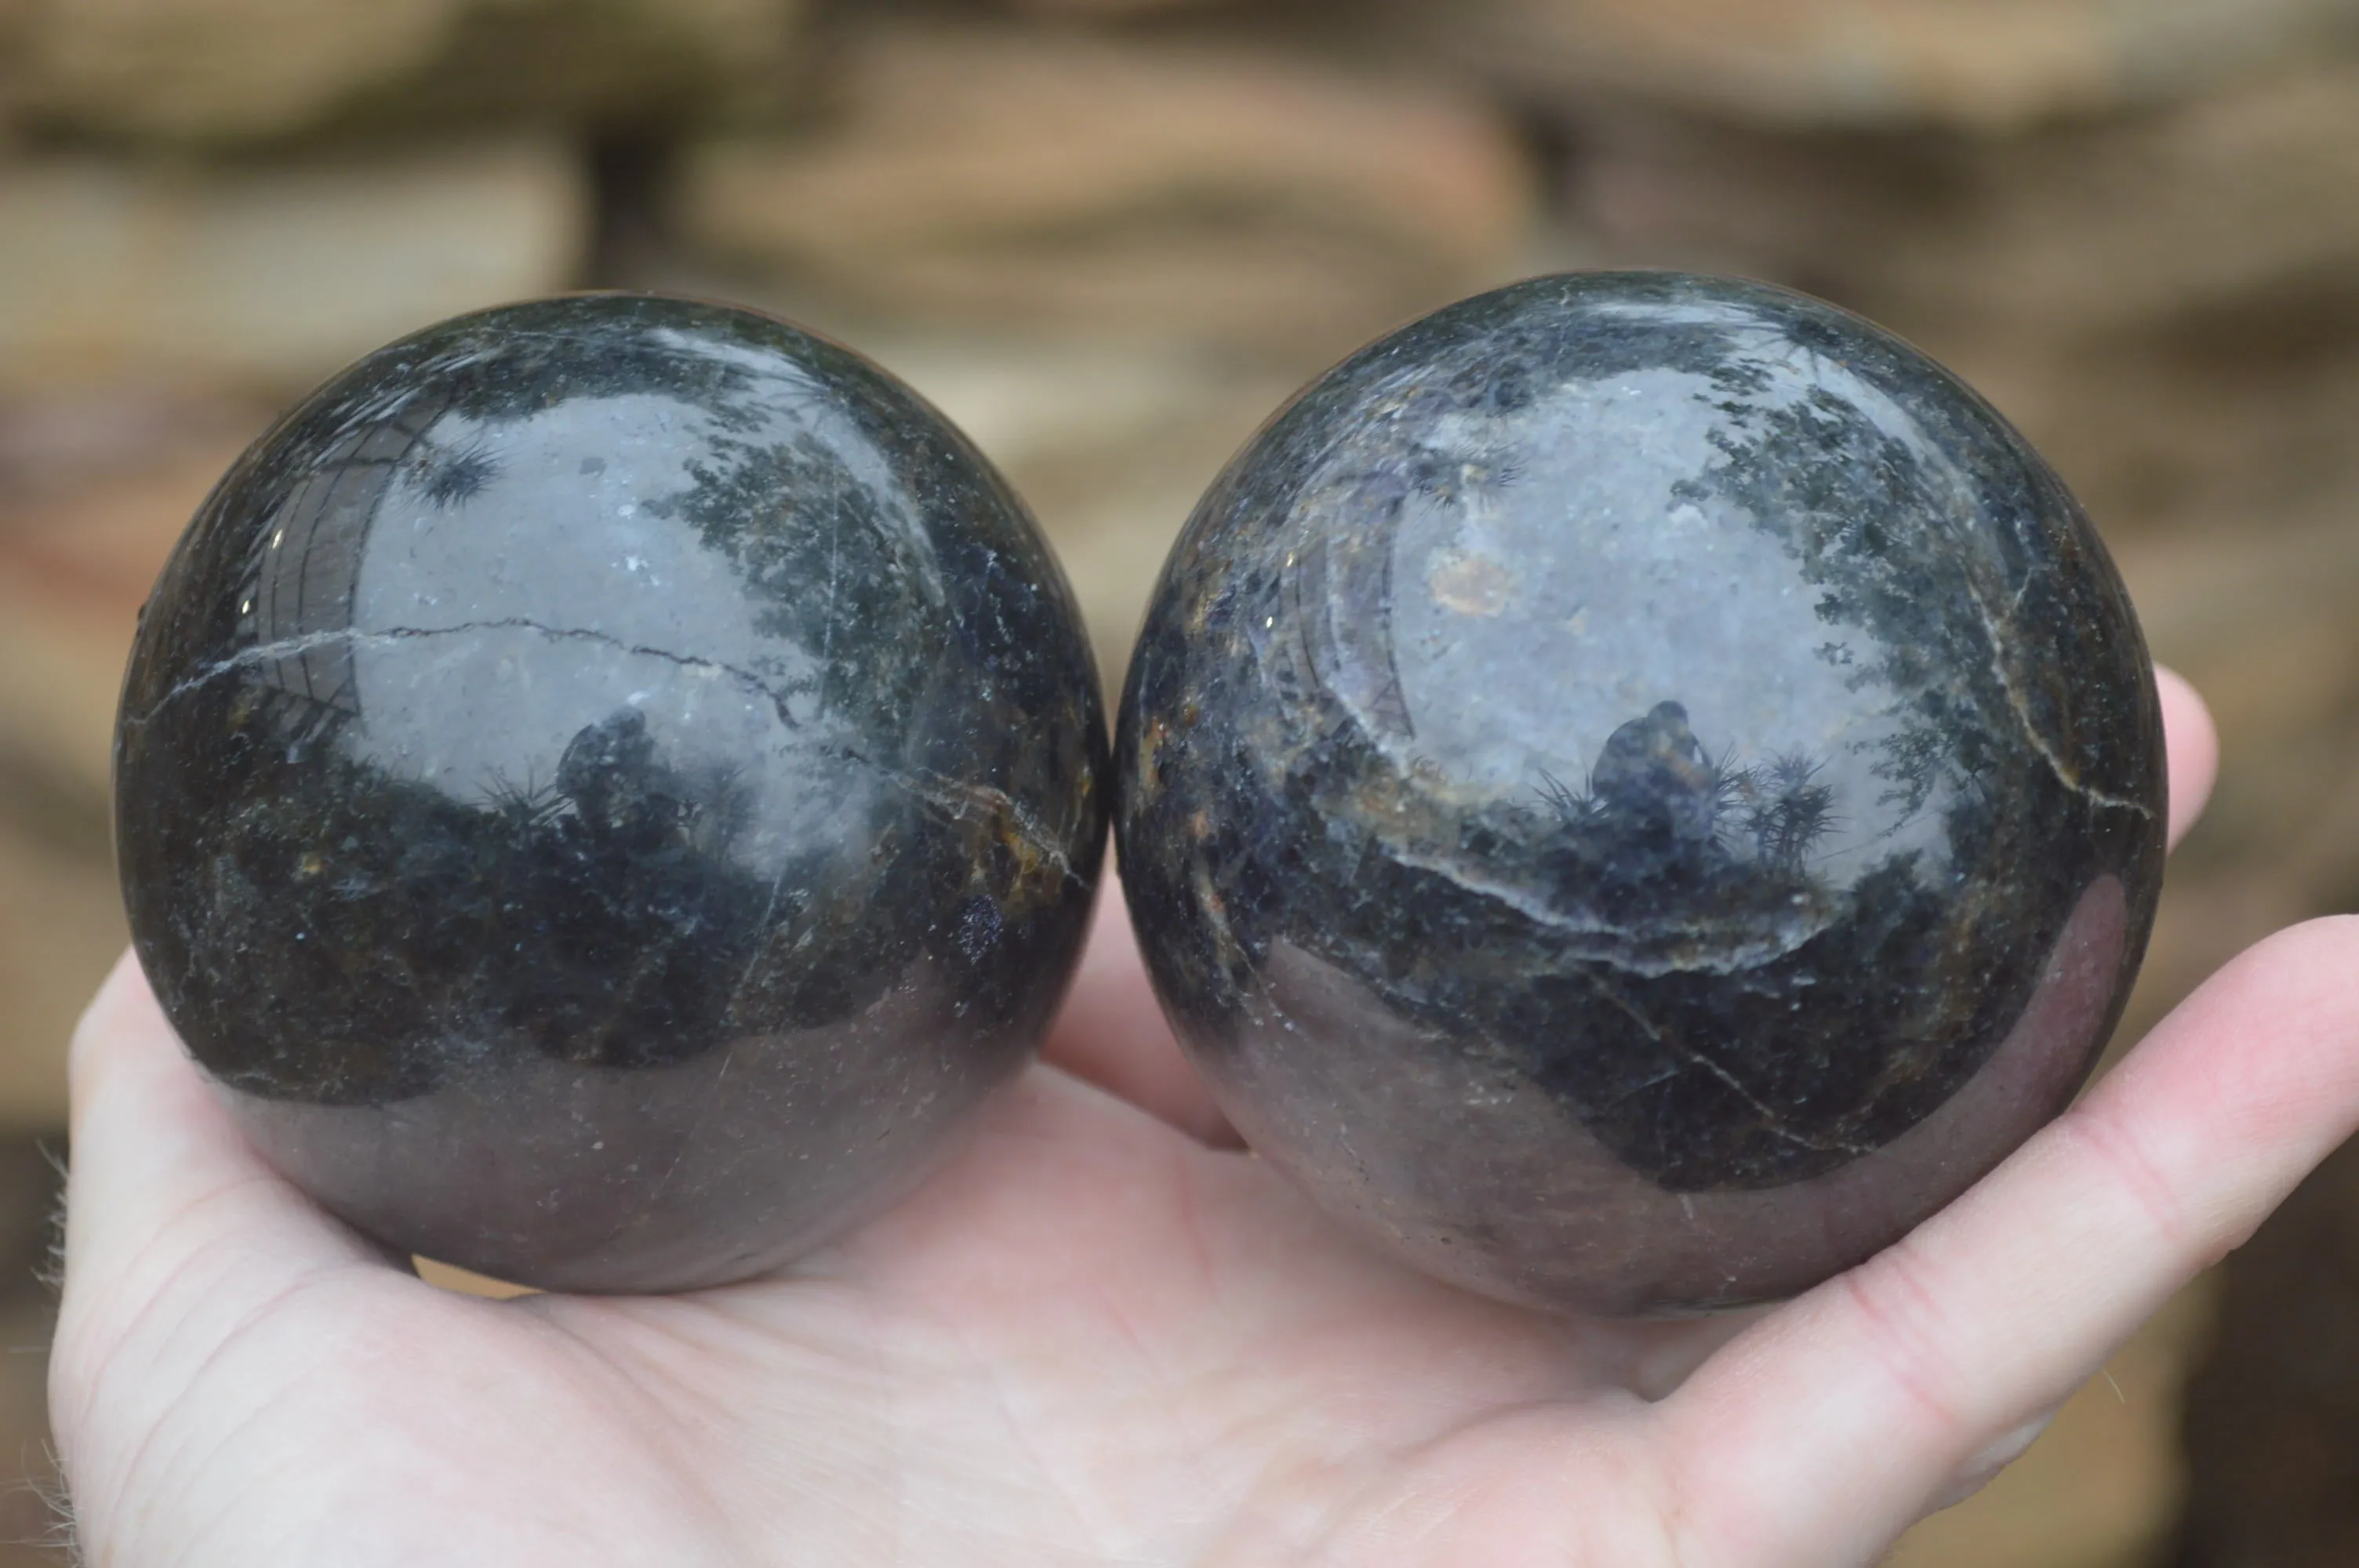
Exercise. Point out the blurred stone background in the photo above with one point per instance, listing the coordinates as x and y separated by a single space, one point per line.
1108 236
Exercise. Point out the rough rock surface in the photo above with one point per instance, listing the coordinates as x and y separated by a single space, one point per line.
1981 65
1203 193
227 71
2229 196
273 272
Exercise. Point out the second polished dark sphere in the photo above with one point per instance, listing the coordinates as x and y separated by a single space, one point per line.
1635 789
605 786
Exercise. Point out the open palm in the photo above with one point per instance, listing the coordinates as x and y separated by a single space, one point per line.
1098 1335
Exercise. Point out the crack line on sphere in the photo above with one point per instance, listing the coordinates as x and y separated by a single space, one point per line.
956 799
1634 1090
948 796
687 1139
762 938
827 619
2065 773
1747 957
288 647
1771 1120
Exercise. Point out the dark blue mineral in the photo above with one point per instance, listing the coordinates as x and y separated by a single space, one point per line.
604 786
1637 789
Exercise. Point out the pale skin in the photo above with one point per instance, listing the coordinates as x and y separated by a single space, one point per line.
1102 1335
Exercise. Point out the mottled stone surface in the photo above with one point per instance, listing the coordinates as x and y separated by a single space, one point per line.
604 786
1637 789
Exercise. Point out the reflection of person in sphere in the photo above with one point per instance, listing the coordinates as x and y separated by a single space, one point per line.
611 775
1654 770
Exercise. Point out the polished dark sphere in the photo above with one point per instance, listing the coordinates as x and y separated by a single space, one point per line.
1636 790
605 786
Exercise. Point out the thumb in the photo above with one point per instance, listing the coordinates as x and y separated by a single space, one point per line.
177 1232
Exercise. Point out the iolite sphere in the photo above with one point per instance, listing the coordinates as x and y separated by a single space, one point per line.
1637 789
605 786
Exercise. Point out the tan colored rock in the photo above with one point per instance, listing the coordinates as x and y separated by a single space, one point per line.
2273 1412
1110 8
79 545
87 517
2167 302
278 273
61 929
2243 191
2260 621
1047 177
232 66
1109 446
13 16
2238 423
1983 64
227 70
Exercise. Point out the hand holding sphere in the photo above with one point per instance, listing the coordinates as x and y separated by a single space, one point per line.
1090 1335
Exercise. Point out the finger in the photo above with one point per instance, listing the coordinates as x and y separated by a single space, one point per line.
2193 746
1838 1419
1112 1034
175 1227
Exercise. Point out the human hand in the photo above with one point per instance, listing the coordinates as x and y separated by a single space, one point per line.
1098 1337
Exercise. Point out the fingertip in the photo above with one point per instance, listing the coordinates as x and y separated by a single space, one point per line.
2193 742
1919 1365
2288 1091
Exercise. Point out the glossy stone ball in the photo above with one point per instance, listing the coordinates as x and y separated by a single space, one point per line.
1637 789
604 786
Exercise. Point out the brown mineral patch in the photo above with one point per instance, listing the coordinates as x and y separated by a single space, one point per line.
1471 584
